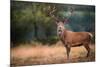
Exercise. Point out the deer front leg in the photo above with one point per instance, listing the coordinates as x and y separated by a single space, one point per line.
68 48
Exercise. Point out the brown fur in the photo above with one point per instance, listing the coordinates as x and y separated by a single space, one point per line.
70 38
75 39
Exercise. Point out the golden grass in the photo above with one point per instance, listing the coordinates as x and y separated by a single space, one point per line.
33 55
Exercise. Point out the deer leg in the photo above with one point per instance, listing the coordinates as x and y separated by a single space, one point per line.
68 51
88 50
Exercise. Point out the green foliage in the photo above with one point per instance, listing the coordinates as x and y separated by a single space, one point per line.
30 21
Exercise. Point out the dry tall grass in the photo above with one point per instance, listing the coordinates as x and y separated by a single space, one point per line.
34 55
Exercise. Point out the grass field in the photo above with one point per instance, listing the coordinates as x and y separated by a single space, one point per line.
36 55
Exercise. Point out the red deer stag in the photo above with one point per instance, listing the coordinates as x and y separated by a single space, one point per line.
70 38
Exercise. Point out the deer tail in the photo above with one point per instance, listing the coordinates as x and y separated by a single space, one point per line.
91 35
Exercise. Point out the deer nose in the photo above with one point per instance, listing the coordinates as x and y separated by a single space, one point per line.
59 30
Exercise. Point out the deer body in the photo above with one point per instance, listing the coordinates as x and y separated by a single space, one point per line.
73 39
70 38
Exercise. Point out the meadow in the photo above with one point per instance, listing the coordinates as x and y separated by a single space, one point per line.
33 54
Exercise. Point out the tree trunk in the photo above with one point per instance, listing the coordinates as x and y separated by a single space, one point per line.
35 30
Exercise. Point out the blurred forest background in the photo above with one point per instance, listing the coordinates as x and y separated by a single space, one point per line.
30 22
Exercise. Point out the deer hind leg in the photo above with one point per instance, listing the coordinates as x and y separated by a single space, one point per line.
88 49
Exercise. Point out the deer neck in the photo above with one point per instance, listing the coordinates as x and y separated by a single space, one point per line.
64 35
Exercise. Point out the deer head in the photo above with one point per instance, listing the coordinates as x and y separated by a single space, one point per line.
60 23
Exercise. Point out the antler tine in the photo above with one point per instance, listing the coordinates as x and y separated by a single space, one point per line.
71 9
52 15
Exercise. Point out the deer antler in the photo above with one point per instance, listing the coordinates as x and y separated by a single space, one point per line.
51 13
71 9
